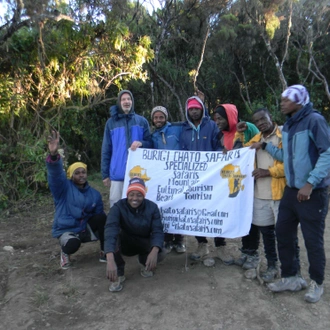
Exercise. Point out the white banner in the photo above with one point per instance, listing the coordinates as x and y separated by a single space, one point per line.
198 193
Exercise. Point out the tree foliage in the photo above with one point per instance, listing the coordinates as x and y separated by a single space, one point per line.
62 64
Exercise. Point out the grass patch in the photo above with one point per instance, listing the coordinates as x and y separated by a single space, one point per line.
40 297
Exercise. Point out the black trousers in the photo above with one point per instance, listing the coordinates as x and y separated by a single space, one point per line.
250 243
218 241
311 215
74 240
175 238
130 245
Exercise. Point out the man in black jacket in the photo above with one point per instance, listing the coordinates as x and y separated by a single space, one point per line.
133 227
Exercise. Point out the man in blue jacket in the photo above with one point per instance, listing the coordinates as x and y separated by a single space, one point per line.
167 136
125 129
200 133
306 158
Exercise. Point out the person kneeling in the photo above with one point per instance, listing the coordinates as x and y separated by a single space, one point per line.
133 227
79 215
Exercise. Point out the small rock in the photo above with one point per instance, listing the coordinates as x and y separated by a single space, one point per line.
251 274
8 249
209 262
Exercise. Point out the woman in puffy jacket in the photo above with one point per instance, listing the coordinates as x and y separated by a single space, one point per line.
79 215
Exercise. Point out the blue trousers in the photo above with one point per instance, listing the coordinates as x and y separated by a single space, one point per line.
311 215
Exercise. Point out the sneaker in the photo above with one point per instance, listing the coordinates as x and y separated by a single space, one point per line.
65 260
292 283
103 257
168 246
146 273
270 274
251 262
302 281
117 286
202 251
224 255
179 248
315 291
241 260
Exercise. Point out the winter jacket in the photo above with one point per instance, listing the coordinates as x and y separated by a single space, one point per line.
201 138
121 130
276 171
167 137
306 149
73 206
142 222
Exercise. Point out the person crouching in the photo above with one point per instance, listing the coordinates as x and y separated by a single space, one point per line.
133 227
79 214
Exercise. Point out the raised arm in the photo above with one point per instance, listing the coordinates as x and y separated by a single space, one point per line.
56 176
53 142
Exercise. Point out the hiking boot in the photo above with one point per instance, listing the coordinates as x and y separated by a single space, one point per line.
117 286
202 251
103 257
179 247
241 260
315 291
251 262
65 260
224 255
270 274
168 246
292 283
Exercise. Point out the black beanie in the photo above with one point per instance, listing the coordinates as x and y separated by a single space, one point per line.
220 110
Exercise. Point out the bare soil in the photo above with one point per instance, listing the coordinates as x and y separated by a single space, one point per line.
35 293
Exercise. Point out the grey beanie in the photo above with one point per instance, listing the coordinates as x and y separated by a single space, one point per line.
161 109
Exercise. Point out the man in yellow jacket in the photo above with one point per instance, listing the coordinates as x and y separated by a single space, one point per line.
268 190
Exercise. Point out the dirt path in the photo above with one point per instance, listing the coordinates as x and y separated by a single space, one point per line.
36 294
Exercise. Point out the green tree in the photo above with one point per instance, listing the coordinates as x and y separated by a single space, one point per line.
69 73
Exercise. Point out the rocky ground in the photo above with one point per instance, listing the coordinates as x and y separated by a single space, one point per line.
35 293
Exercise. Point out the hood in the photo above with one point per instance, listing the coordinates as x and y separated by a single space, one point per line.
117 109
232 117
186 108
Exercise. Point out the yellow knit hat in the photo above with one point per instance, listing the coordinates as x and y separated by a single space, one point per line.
73 167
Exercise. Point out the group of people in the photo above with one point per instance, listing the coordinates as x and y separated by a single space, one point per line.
291 177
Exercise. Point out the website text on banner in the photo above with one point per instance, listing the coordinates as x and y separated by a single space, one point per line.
198 193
